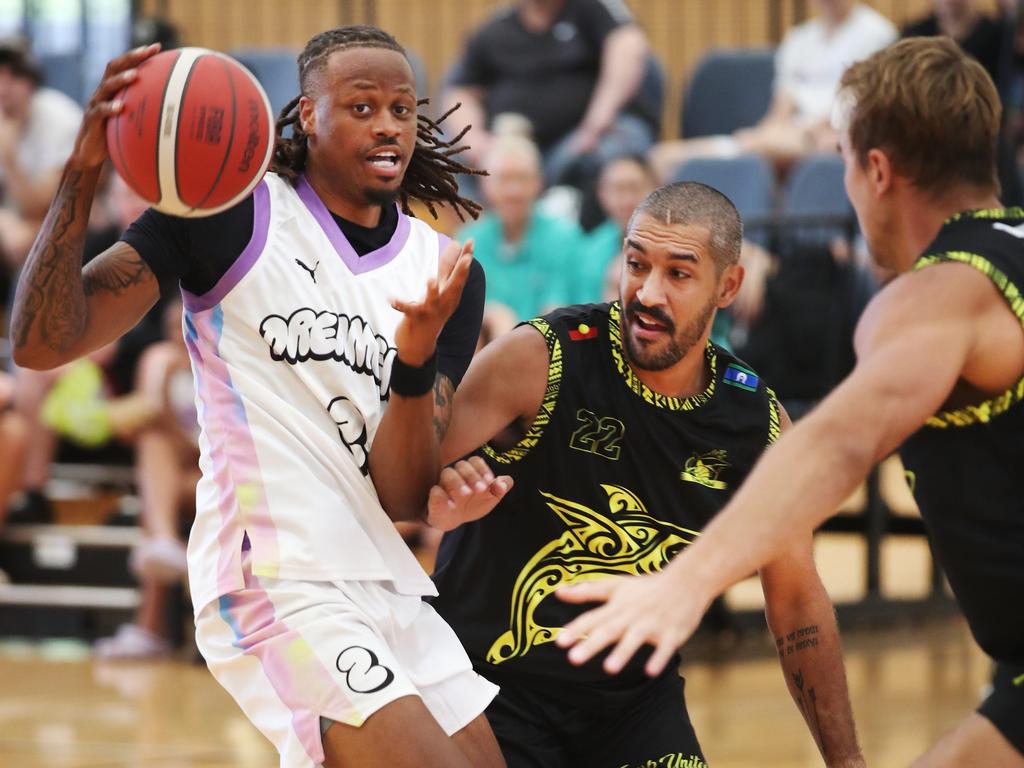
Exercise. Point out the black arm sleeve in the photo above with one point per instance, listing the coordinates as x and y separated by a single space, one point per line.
457 342
194 252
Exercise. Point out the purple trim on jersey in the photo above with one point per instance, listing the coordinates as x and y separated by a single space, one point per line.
356 264
442 241
246 259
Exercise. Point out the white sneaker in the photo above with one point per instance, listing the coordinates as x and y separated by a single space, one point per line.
161 560
131 642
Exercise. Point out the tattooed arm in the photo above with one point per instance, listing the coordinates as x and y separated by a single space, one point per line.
803 623
61 311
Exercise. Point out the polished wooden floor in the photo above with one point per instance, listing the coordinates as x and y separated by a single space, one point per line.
59 709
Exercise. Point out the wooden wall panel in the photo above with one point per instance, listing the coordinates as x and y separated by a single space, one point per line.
680 30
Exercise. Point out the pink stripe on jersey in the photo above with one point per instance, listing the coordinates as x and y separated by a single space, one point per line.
241 498
298 677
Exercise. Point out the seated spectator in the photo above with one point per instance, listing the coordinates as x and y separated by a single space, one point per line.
166 471
987 40
12 448
571 67
527 255
808 65
623 183
38 126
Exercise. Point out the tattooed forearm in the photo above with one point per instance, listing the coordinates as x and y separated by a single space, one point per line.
49 300
444 391
796 641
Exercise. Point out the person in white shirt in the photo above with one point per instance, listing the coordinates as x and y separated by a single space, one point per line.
808 64
318 319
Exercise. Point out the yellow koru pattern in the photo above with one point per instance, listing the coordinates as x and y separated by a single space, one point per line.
623 540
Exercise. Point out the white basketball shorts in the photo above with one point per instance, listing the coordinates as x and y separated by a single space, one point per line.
293 652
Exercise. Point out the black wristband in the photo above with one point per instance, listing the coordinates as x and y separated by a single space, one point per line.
413 381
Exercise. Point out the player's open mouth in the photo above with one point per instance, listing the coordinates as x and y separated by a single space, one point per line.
385 162
646 327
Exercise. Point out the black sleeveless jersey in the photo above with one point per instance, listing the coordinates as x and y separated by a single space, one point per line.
611 479
965 466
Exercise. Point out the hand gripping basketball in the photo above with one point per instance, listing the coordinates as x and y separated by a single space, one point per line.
91 143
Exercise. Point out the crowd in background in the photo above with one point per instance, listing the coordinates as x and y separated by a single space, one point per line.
567 127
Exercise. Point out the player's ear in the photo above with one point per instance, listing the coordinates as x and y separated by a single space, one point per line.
879 171
307 115
729 285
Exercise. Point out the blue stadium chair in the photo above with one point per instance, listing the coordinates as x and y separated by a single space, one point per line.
815 190
730 89
63 72
277 71
747 180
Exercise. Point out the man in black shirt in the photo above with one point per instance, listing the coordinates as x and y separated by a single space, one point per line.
632 431
940 371
571 67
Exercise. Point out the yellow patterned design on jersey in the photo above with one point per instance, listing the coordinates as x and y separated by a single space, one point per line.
547 406
983 412
648 394
989 213
624 540
774 426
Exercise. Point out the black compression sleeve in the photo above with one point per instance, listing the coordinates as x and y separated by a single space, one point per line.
457 342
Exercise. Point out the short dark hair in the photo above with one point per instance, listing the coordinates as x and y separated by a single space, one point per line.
15 56
690 202
929 106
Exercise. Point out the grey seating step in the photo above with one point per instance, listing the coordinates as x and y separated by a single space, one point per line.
69 596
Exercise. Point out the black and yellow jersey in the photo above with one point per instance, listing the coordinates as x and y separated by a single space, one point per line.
965 466
611 479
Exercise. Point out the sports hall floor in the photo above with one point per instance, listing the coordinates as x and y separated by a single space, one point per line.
59 709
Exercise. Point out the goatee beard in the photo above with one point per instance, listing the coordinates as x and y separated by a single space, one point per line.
678 346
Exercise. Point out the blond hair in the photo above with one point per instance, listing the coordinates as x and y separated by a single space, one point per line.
932 109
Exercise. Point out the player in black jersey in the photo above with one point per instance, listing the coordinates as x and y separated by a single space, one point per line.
940 371
632 432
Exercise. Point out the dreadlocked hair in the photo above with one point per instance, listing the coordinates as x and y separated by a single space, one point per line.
430 175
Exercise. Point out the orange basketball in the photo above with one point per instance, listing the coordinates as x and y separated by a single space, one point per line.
196 132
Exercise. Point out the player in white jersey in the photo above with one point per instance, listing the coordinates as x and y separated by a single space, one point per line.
317 320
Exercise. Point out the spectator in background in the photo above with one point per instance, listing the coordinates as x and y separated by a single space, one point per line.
38 126
808 65
572 68
13 435
166 471
526 254
623 183
985 39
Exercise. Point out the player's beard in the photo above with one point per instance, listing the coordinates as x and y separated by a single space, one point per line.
679 343
381 197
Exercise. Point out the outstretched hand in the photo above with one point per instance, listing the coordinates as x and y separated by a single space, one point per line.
91 143
416 335
467 491
637 610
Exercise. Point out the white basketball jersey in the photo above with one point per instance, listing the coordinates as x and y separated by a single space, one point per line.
292 353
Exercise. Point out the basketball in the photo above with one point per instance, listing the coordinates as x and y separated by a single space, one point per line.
196 132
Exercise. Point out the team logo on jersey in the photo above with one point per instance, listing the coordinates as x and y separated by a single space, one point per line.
311 335
705 468
625 539
312 270
362 670
741 377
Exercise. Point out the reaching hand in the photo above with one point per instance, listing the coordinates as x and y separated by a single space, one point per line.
637 610
467 491
91 144
416 335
